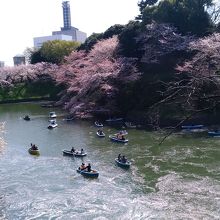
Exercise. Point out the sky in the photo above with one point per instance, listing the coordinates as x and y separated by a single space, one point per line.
22 20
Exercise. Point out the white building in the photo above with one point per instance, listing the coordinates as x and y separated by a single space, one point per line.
38 41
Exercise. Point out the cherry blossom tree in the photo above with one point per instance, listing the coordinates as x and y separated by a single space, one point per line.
92 78
10 76
196 86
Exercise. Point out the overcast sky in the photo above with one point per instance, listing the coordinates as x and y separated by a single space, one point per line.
22 20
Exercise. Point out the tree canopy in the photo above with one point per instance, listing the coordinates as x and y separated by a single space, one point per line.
53 51
95 37
189 16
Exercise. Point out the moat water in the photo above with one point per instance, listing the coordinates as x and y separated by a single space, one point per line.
179 179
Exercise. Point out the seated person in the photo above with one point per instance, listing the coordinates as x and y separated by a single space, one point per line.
119 157
82 151
119 136
34 147
122 137
124 159
89 167
82 167
73 150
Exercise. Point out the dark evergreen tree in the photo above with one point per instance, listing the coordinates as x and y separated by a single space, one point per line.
143 4
91 41
189 16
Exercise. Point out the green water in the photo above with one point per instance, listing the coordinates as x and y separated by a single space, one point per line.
179 179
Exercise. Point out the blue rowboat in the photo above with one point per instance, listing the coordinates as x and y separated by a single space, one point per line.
214 133
114 120
115 139
92 174
192 126
127 164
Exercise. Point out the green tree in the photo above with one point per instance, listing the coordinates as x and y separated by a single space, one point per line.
187 15
143 4
127 39
36 57
95 37
91 41
113 30
52 51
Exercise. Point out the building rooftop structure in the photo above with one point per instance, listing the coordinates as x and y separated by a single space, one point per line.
67 32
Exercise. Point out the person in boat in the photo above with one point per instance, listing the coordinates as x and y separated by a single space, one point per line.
34 147
82 151
123 137
123 159
73 150
89 167
82 167
119 136
100 132
26 117
119 157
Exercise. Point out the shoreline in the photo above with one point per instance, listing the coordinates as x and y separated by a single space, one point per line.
26 100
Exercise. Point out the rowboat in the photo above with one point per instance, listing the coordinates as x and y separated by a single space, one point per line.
68 119
79 154
115 139
52 124
114 120
34 152
67 152
100 135
121 164
52 115
192 126
130 125
92 174
214 133
98 124
26 118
